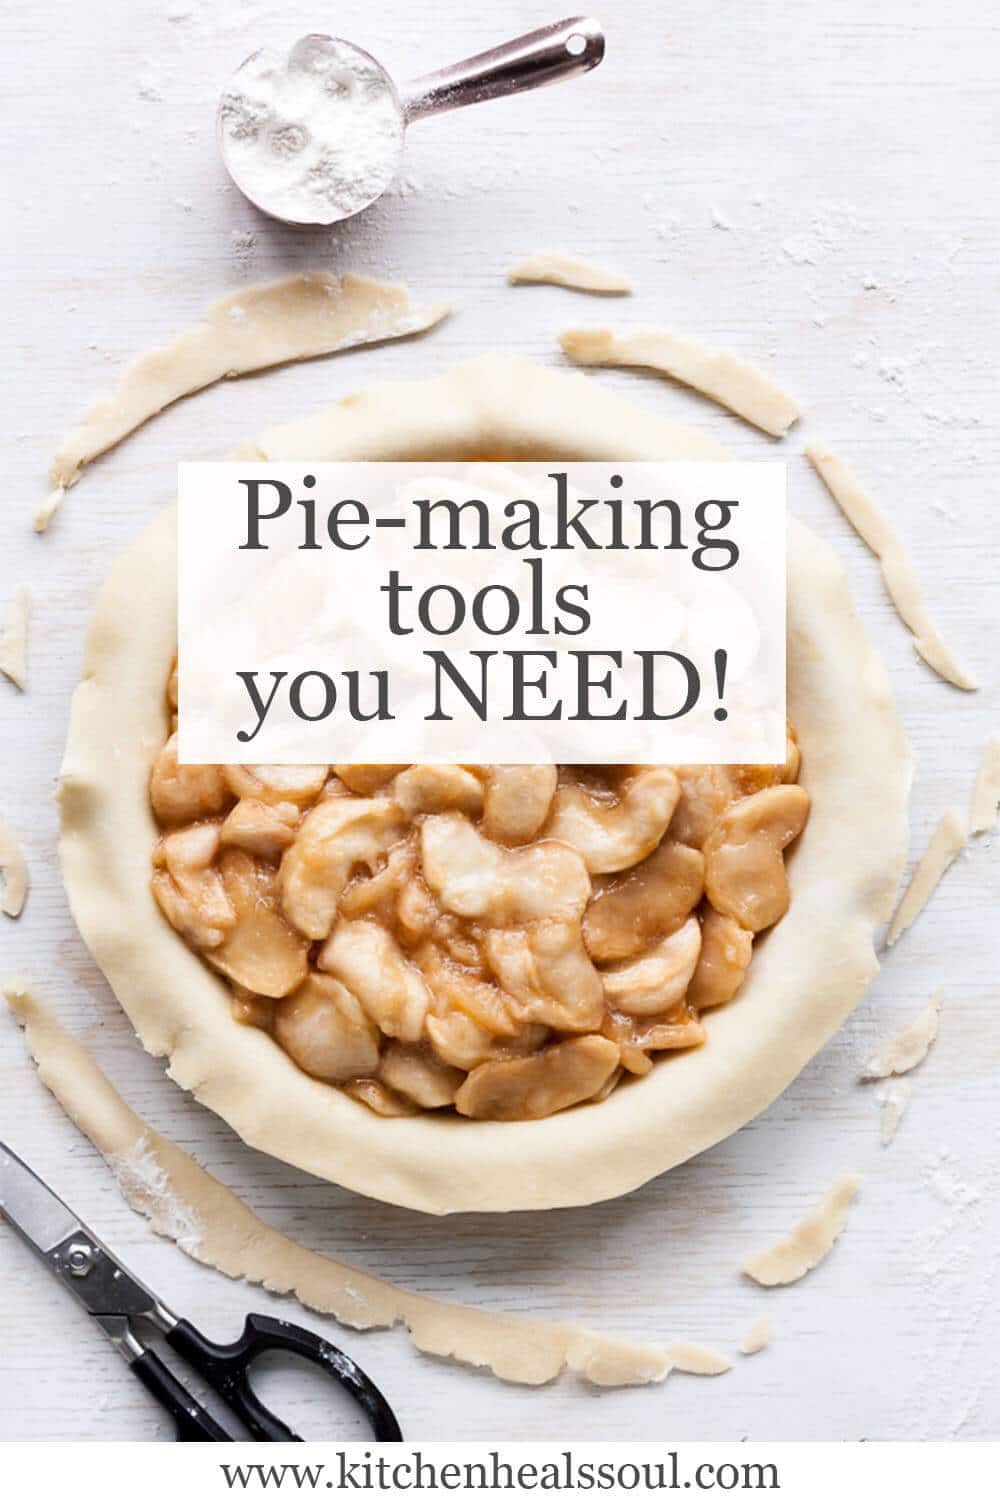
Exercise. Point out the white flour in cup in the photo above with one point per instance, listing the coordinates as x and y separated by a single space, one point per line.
315 136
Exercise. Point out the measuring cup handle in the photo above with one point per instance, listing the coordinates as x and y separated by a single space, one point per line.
562 50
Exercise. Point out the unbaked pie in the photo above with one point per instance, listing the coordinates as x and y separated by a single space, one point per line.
504 941
230 847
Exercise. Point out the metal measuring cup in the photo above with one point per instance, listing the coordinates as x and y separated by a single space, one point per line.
563 50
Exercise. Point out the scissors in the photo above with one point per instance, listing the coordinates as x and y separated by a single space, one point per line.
114 1298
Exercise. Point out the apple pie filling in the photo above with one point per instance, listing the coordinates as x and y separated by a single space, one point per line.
503 941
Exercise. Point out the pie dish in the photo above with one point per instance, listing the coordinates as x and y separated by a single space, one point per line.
805 977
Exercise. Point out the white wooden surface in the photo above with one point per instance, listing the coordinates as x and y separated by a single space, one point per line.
813 185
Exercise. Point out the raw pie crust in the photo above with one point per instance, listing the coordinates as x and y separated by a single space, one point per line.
805 979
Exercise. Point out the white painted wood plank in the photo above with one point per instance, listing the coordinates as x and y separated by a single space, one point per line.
852 154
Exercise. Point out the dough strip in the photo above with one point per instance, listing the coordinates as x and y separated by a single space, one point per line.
909 1048
728 381
897 571
13 873
14 641
986 792
301 317
809 1242
947 842
556 269
211 1224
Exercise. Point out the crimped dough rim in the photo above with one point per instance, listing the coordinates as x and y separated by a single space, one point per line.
804 980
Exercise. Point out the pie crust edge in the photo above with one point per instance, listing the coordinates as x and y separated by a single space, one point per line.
805 978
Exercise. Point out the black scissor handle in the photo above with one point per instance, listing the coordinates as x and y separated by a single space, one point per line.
226 1367
194 1424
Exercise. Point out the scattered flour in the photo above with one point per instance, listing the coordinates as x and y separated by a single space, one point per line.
314 136
144 1182
244 249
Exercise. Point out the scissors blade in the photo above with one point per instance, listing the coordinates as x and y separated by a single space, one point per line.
72 1252
32 1208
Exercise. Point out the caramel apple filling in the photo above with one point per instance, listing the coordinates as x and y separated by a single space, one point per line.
503 941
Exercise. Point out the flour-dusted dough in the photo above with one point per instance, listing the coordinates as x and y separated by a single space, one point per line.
804 982
897 571
695 1359
909 1047
809 1242
556 269
13 873
986 792
729 381
947 842
893 1101
14 640
301 317
756 1338
185 1203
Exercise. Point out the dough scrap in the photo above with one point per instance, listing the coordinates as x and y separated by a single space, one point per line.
13 873
694 1359
185 1203
986 792
897 571
299 317
909 1047
892 1106
556 269
729 381
14 641
756 1338
809 1242
947 842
